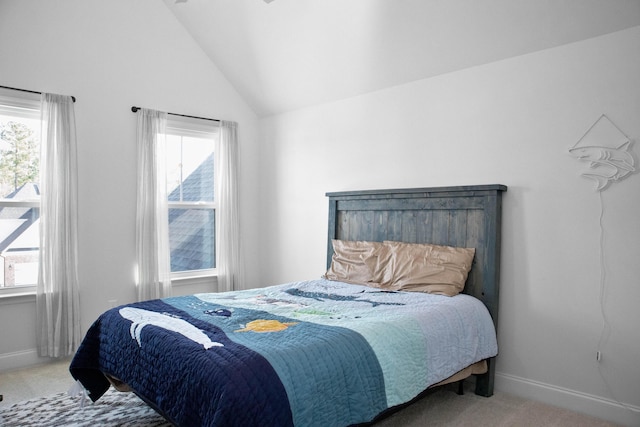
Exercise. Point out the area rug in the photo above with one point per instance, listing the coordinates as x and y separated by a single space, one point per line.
111 410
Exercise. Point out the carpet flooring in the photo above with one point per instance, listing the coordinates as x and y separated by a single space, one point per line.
22 407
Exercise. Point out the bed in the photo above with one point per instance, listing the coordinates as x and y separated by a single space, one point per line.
329 351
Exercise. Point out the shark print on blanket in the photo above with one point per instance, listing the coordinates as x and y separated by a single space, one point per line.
141 318
321 296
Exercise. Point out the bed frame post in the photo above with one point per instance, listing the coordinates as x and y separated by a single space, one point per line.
484 382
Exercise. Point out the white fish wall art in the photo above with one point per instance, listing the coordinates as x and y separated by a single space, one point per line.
607 153
141 318
606 164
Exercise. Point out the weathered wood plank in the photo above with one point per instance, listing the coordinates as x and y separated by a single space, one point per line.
393 204
409 226
440 227
424 227
457 227
475 239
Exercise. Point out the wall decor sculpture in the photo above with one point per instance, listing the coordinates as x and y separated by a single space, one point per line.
606 150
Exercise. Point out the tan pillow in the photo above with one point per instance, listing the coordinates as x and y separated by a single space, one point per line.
347 262
421 267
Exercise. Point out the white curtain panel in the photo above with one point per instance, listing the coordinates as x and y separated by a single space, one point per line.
57 296
229 263
152 224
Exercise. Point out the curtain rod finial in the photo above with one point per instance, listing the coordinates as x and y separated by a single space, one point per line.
134 109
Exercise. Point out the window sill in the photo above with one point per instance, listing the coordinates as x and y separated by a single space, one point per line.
196 276
17 297
185 281
194 284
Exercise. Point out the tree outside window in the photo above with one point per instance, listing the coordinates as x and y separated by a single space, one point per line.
20 156
19 193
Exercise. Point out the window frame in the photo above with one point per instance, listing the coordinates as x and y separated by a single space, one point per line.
193 127
22 105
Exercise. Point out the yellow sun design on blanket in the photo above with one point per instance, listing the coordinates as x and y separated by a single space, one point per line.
262 325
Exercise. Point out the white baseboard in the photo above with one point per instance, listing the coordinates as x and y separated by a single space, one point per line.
21 359
595 406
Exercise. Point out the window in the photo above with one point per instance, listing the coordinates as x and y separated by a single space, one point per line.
191 199
19 191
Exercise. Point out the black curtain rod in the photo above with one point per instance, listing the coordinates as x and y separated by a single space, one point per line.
29 91
135 110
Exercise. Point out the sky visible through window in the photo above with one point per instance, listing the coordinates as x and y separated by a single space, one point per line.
185 154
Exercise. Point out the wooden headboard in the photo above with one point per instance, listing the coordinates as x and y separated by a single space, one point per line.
466 216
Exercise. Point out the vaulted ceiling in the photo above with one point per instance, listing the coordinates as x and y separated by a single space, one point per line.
289 54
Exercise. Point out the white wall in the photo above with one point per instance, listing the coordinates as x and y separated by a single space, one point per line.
112 55
509 122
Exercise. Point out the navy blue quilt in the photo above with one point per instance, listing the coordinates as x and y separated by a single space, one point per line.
315 353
